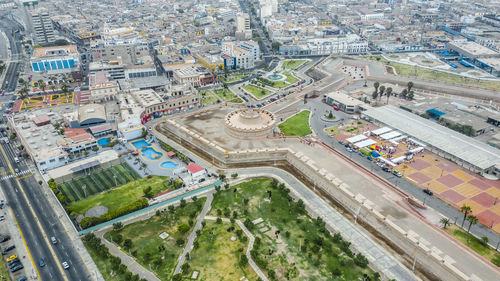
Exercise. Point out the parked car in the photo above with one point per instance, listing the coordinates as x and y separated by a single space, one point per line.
13 257
397 173
22 278
10 263
428 192
336 108
9 248
385 169
65 265
369 158
17 268
53 239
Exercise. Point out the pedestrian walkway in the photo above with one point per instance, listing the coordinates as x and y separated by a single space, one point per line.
128 261
25 173
249 249
192 235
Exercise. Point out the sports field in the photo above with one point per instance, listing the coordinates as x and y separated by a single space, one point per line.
97 181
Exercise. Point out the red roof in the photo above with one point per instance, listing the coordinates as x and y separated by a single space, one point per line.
194 168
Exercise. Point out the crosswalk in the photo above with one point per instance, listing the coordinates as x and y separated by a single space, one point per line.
22 174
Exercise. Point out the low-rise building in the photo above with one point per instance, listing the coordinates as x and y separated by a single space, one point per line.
345 102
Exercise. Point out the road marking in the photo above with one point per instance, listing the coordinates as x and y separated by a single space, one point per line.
63 274
26 245
24 177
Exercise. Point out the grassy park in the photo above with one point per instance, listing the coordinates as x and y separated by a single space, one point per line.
142 238
207 97
117 197
297 125
332 130
234 77
97 181
258 92
290 78
476 244
424 73
217 257
295 245
227 95
293 64
4 275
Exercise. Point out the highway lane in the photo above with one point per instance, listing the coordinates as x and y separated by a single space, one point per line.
31 233
9 27
51 225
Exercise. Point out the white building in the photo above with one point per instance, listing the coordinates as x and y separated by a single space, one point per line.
43 29
195 170
251 46
243 59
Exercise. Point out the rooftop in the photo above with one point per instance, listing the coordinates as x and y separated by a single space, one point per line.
468 149
55 51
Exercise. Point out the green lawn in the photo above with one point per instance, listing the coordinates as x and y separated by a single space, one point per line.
475 244
424 73
145 239
227 95
114 198
321 254
98 181
290 78
258 92
293 64
217 257
332 130
208 97
297 125
234 77
4 275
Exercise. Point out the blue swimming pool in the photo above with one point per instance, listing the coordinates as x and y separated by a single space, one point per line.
169 165
151 153
103 141
140 144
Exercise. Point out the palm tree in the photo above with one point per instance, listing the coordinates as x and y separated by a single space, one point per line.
404 93
382 90
53 87
411 94
410 85
374 95
376 85
41 85
389 92
465 209
445 222
472 220
23 93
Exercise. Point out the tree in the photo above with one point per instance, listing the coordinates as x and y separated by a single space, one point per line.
404 93
23 93
484 240
177 277
243 260
382 90
389 92
235 175
117 226
185 268
410 85
183 228
41 85
275 46
472 220
222 177
445 222
411 95
127 244
148 193
374 95
376 85
466 210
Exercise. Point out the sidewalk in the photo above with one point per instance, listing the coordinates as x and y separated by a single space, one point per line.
10 227
68 226
128 261
249 249
192 235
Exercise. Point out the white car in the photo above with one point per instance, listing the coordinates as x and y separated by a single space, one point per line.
65 265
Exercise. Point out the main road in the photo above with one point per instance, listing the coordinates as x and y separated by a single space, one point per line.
12 30
38 221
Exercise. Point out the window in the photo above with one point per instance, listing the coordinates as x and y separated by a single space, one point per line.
52 160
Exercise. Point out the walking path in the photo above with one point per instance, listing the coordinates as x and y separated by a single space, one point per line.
192 236
128 261
249 249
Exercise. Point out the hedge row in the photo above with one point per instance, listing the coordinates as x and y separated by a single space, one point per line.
123 210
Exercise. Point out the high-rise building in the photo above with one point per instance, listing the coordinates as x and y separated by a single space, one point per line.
43 29
242 22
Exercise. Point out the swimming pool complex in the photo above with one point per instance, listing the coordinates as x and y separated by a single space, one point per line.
103 141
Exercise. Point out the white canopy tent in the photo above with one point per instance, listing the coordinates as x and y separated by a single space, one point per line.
390 135
356 138
365 143
387 161
381 131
